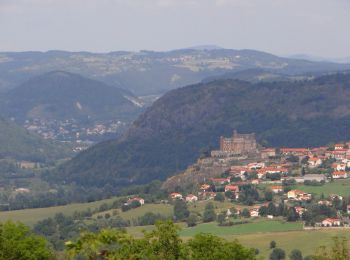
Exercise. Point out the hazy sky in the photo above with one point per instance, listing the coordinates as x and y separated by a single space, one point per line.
315 27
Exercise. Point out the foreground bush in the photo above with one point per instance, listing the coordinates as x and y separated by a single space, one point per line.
162 243
18 243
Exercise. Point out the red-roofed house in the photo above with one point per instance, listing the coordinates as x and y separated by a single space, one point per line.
232 188
298 195
268 152
314 162
330 222
140 200
276 189
175 195
191 198
338 146
339 175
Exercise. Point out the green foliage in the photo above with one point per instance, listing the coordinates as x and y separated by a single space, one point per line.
162 243
272 244
192 220
295 254
18 243
181 211
277 254
219 197
209 247
209 213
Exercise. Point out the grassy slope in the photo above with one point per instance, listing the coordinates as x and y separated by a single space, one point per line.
255 227
340 187
306 241
16 142
31 216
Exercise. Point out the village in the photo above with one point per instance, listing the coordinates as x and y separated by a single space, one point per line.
268 182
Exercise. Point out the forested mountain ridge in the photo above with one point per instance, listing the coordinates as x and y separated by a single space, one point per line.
171 134
60 95
150 72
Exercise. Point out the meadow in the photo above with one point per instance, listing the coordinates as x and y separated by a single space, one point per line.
31 216
340 187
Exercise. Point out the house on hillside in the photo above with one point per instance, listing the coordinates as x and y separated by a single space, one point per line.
267 153
191 198
140 200
339 166
314 162
276 189
339 175
254 212
338 147
331 222
298 195
205 188
299 210
175 196
234 189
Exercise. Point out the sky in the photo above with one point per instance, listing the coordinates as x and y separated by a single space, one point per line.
283 27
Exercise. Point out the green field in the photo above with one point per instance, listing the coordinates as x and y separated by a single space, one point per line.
306 241
295 238
249 228
340 187
31 216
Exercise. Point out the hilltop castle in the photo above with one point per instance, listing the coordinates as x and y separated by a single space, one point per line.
239 143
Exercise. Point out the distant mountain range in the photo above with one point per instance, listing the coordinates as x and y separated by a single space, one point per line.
17 143
62 95
171 134
149 72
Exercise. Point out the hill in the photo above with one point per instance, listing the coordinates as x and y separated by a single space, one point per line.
18 143
171 134
149 72
61 95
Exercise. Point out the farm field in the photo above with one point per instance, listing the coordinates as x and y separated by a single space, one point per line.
254 227
306 241
340 187
31 216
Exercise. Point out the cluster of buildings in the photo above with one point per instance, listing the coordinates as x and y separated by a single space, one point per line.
272 167
72 131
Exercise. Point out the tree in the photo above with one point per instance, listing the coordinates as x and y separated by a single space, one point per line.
272 244
192 220
221 218
295 254
277 254
162 243
268 195
219 197
181 211
209 213
209 247
292 214
17 242
245 213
